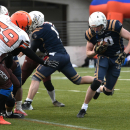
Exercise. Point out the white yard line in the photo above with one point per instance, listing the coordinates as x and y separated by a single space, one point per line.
60 125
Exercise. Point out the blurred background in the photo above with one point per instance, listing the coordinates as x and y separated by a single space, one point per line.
70 18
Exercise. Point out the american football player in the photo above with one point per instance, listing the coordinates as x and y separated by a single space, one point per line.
29 66
109 59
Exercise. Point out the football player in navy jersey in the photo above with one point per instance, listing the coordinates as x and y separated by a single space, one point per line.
105 38
46 38
29 66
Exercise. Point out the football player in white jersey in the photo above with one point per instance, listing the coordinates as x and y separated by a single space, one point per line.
13 40
9 104
17 72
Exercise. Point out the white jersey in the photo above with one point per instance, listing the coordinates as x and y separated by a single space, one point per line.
11 36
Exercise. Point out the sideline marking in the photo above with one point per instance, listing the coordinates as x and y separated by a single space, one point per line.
60 125
77 91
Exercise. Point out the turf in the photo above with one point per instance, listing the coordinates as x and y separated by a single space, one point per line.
106 113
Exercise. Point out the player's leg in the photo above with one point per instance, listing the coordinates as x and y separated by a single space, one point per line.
100 89
16 80
101 70
27 69
9 107
34 86
51 91
110 80
17 92
4 94
3 99
6 88
41 73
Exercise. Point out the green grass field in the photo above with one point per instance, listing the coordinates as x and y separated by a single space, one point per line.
106 113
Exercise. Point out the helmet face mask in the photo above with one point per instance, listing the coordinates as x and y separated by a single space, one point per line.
37 19
97 19
3 10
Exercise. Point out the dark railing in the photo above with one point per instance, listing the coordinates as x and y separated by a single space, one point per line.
72 32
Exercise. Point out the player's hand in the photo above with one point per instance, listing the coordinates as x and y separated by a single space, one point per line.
51 63
20 54
121 58
100 47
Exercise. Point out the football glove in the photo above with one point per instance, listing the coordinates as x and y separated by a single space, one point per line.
100 48
121 58
50 63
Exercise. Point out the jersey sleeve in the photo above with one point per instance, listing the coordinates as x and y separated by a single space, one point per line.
89 35
115 25
118 26
35 44
25 41
36 34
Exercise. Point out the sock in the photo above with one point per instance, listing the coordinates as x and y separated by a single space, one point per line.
28 99
98 90
84 106
52 95
8 113
18 104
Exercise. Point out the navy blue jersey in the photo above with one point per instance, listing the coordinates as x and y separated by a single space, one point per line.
48 39
111 33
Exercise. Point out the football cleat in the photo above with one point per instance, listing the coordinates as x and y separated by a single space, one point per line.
58 104
13 115
19 111
96 95
3 122
81 113
27 105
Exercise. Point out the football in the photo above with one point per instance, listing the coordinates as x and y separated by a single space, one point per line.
102 43
101 47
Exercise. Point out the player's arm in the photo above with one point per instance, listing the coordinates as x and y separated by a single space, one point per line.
125 34
35 44
121 58
31 54
90 50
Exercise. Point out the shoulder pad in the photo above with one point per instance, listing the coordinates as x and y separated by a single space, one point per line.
114 25
89 34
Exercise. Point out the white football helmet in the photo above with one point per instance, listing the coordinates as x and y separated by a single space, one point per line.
96 19
3 10
37 19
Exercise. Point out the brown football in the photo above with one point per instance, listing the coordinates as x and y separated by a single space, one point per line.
102 42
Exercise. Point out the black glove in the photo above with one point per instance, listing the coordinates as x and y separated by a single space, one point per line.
51 63
100 48
121 58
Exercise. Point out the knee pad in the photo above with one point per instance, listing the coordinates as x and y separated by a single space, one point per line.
48 85
10 101
95 85
107 93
